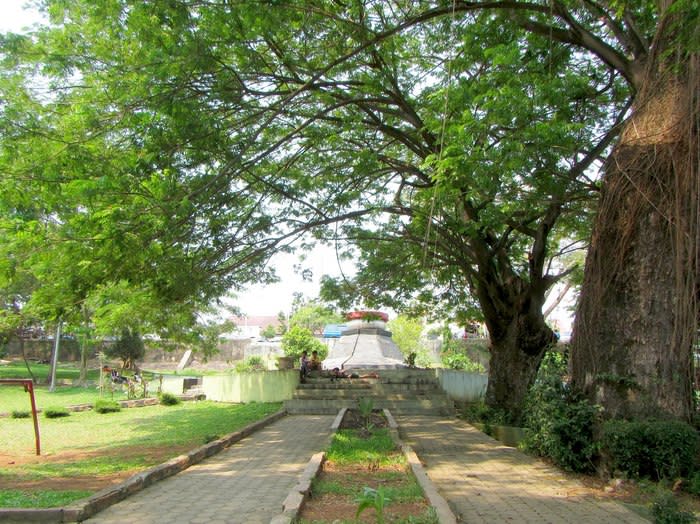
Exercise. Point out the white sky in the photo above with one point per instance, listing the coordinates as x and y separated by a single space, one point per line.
257 300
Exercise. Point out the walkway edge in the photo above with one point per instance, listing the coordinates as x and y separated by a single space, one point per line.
113 494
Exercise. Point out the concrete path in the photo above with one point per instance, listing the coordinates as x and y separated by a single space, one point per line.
486 482
245 483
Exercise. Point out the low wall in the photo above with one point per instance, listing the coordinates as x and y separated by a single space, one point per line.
260 386
461 386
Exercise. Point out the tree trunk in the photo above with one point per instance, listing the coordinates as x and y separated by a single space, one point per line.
519 338
637 317
516 356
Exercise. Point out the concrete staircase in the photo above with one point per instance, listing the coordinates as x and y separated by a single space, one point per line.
402 391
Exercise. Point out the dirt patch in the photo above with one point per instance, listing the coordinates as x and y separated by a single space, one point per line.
17 478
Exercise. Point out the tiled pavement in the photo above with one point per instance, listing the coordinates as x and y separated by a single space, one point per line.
486 482
246 483
483 481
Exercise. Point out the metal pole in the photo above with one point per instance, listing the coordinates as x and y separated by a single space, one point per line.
30 388
54 360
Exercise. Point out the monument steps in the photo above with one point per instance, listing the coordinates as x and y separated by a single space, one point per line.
404 392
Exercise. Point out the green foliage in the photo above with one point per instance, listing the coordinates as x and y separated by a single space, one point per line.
666 510
56 412
298 339
372 498
20 414
655 449
407 332
252 363
558 420
314 317
168 399
693 484
268 332
454 356
107 406
128 347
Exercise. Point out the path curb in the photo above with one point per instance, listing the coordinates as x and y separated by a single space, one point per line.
113 494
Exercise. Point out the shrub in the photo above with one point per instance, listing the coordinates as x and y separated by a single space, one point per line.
693 484
462 362
20 414
558 420
252 363
299 339
666 510
56 412
107 406
168 399
654 449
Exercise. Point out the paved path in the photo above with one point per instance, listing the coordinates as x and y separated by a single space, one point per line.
486 482
245 483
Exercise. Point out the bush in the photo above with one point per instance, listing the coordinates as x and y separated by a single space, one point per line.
20 414
56 412
462 362
168 399
252 363
107 406
666 510
655 449
299 339
558 420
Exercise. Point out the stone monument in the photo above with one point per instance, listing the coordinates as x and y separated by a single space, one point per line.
365 344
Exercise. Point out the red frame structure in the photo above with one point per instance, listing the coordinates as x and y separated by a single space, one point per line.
29 388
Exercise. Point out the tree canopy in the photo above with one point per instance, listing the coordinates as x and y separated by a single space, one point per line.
169 149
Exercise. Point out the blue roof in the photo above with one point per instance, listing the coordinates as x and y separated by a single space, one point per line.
333 330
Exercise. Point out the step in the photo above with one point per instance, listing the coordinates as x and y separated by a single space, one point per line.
397 407
358 394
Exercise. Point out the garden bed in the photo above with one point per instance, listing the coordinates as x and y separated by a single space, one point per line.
364 465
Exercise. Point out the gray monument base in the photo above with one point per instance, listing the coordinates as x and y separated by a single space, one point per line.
365 348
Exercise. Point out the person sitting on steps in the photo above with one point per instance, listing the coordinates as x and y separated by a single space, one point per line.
315 362
303 366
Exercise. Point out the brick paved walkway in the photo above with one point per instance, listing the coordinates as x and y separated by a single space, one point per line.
486 482
246 483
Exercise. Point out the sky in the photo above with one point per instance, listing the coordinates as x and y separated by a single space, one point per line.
256 300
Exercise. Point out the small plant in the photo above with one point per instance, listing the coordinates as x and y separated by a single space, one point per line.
666 510
168 399
366 406
20 414
56 412
372 498
107 406
211 438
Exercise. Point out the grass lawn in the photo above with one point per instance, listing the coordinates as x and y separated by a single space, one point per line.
17 369
14 398
85 447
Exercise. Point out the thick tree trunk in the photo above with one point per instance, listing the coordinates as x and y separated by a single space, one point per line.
637 316
519 338
516 355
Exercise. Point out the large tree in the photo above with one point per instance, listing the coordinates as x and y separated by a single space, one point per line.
450 137
198 137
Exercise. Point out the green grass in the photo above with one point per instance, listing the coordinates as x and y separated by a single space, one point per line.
407 490
348 447
14 398
14 498
119 442
17 369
